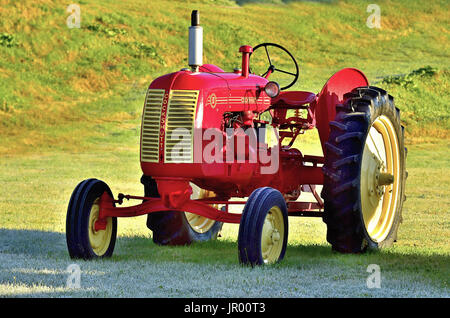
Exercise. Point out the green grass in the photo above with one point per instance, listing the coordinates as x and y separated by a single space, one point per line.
34 255
70 106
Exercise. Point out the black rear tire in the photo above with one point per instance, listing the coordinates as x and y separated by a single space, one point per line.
342 190
172 227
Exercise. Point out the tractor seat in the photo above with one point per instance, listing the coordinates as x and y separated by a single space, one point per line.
293 99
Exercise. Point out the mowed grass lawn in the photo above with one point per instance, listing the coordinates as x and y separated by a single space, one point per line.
33 255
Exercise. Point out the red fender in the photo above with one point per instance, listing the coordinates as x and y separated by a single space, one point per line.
332 93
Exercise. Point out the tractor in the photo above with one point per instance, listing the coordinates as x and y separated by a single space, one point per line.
212 139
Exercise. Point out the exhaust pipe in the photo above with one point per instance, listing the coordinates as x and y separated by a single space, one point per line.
195 42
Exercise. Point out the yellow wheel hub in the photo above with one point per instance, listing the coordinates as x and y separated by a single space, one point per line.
380 179
99 240
272 236
198 223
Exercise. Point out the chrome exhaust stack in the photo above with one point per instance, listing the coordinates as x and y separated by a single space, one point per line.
195 42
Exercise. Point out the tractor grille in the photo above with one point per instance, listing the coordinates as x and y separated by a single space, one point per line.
180 126
151 119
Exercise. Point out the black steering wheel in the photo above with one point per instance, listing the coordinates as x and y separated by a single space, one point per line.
272 68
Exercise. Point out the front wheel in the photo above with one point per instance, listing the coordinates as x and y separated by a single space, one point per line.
83 241
263 230
364 172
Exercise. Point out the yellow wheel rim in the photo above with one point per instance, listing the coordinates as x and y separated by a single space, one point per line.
198 223
99 240
272 236
380 179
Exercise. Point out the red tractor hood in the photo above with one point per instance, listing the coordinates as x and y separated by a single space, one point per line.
187 80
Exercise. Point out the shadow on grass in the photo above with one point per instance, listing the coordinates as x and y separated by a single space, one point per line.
39 256
43 244
33 243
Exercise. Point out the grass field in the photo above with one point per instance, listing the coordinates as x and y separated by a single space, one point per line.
70 102
34 256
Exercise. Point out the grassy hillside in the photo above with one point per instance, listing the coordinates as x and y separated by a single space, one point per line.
72 89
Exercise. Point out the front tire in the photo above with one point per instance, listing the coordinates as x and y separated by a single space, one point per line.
263 230
82 239
364 172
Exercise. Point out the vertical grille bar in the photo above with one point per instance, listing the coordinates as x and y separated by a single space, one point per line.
180 126
151 119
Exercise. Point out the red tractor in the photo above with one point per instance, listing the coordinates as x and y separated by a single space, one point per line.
211 138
